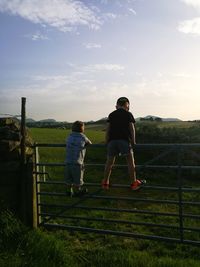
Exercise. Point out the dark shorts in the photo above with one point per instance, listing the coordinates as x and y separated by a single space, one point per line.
74 174
119 147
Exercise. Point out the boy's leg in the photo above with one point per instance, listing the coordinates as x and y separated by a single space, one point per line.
131 166
112 151
78 173
135 183
68 180
126 150
108 168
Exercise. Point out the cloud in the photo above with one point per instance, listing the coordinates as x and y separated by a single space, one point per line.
190 26
182 75
110 16
109 67
91 68
63 15
164 95
91 45
77 75
132 11
37 36
194 3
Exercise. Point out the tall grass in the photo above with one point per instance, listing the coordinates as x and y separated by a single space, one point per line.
20 247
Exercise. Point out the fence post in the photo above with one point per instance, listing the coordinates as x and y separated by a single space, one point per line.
28 204
23 162
23 131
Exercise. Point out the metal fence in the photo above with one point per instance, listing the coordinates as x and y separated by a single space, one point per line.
165 209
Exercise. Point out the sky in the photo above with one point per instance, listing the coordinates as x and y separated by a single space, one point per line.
73 59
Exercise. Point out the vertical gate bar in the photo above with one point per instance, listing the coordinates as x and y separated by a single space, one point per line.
37 169
180 193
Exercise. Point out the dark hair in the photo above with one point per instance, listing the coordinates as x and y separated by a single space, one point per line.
122 100
77 126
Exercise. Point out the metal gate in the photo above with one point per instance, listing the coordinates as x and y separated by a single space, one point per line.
165 209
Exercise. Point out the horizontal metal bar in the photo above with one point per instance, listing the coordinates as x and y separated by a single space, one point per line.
166 188
163 145
166 201
50 164
153 187
51 182
190 216
174 167
119 221
109 220
110 209
115 198
59 164
48 145
118 233
41 173
174 202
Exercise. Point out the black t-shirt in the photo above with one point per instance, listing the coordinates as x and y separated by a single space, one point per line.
119 124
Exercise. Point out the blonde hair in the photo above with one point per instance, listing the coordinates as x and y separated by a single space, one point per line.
77 126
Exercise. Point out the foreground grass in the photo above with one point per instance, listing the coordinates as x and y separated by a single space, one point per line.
20 246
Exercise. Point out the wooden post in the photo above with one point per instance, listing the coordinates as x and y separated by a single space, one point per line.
23 186
23 131
28 196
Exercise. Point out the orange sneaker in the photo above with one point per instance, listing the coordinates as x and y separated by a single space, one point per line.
137 184
105 184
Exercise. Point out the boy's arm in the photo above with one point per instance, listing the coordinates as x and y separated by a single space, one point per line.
132 133
87 141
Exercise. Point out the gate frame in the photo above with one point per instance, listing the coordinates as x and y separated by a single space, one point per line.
179 148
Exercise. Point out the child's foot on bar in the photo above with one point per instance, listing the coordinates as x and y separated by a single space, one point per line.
105 184
137 184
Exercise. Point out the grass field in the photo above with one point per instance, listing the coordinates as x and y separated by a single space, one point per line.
22 247
145 257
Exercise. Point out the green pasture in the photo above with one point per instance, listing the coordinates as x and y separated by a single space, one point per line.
119 176
21 247
171 124
46 135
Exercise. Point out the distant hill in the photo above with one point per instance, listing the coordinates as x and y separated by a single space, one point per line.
103 120
52 123
171 119
48 120
47 123
29 120
155 118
